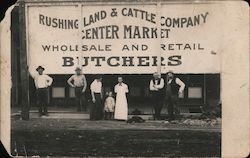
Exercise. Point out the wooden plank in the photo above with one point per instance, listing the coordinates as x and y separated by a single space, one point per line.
23 65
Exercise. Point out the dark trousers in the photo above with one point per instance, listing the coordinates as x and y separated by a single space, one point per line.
157 99
80 99
42 101
108 115
96 111
172 103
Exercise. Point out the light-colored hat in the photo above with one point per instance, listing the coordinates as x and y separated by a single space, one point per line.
78 69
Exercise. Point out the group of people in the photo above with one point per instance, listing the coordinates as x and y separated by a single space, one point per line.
166 92
162 92
113 108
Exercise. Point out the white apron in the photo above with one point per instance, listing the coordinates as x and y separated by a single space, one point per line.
121 107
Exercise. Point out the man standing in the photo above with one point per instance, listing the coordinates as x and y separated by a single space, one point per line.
174 87
96 110
42 82
78 81
156 87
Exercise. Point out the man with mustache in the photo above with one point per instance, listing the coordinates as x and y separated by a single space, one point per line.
156 88
42 83
174 87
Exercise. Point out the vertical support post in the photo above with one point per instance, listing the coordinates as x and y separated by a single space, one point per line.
158 25
14 58
25 103
204 89
13 63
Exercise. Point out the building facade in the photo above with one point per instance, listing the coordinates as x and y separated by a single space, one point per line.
202 85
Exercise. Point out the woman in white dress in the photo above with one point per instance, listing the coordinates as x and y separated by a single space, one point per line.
121 107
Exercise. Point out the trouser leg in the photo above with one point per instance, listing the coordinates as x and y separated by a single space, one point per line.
160 105
176 108
170 106
170 110
109 115
155 104
78 103
42 97
83 102
78 98
157 110
45 101
39 102
45 109
105 115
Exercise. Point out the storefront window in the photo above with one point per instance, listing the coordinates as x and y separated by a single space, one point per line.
58 92
71 92
195 92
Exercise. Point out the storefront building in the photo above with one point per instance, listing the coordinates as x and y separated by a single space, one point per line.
119 39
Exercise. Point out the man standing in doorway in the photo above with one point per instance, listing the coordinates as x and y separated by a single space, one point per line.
156 87
78 81
42 82
174 87
96 111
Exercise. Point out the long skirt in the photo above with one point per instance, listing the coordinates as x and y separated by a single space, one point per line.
96 111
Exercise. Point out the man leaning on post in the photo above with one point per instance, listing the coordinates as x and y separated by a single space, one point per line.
42 83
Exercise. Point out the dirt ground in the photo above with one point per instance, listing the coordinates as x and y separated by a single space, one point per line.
81 138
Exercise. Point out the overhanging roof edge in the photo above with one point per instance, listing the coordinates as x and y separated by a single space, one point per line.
120 1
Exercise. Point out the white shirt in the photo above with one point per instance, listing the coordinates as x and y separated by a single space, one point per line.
109 104
156 87
79 80
42 81
180 83
96 86
123 86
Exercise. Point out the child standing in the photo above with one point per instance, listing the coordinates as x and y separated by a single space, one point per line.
109 106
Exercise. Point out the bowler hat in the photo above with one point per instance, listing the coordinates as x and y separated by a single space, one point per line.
40 67
78 69
170 72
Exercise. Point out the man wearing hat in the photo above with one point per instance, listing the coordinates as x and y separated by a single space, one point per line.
78 81
42 83
174 87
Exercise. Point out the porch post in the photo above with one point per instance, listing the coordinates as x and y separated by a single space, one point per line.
25 102
204 90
